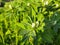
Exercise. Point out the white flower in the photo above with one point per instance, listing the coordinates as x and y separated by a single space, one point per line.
28 4
37 22
57 5
10 6
33 25
42 0
46 3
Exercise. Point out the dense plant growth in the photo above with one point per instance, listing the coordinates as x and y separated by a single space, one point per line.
30 22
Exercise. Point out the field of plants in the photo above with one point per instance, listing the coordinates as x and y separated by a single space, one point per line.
29 22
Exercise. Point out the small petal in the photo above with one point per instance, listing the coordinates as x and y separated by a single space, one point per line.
46 3
28 4
57 5
10 6
33 24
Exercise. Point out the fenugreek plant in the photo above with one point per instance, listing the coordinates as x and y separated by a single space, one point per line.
30 22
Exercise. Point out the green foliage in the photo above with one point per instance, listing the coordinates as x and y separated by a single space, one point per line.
30 22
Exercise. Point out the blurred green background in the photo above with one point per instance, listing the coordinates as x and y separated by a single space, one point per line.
29 22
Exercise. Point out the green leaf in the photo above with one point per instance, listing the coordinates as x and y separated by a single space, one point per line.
8 32
21 25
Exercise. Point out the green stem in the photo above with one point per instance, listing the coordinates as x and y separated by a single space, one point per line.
16 38
2 36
